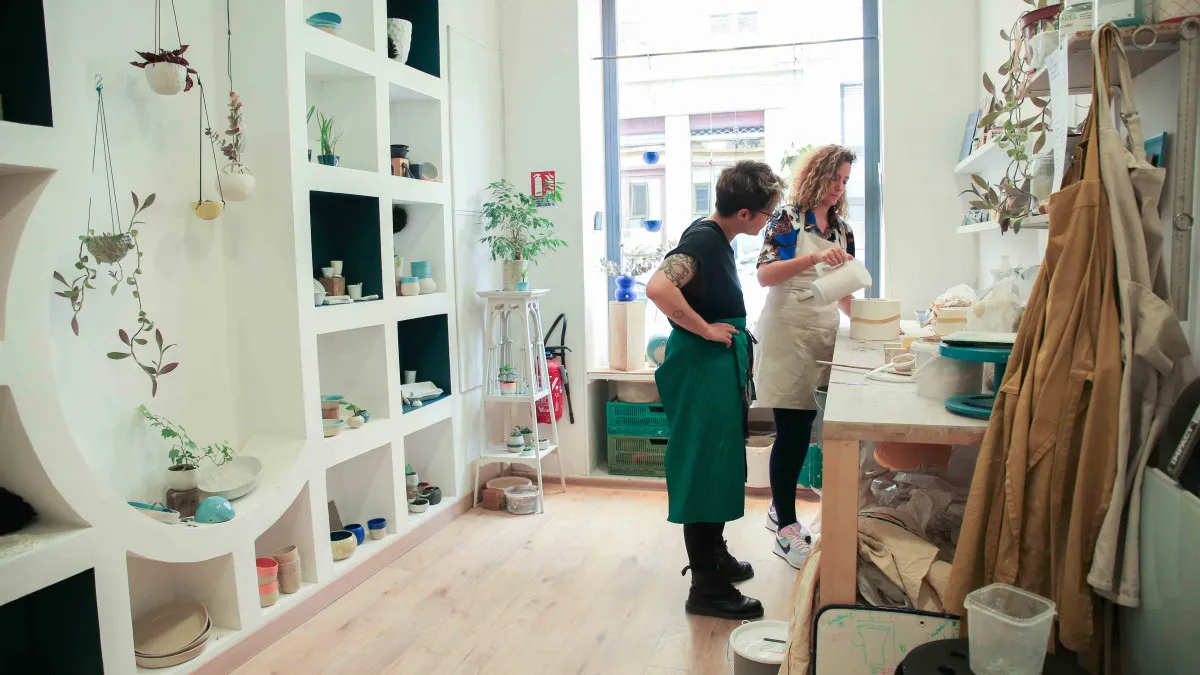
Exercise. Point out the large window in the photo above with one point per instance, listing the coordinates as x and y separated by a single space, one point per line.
744 89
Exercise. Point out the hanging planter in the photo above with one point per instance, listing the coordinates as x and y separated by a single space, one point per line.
650 157
235 183
207 209
112 248
167 72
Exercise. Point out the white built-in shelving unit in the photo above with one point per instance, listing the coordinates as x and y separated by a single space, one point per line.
285 353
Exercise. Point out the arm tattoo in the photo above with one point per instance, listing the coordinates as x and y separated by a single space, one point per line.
678 314
678 268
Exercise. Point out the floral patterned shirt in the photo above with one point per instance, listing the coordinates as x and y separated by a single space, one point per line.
779 241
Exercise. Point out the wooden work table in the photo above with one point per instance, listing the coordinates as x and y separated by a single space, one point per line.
867 410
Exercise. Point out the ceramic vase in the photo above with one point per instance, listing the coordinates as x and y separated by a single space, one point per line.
515 444
514 273
508 388
328 160
400 31
183 479
166 78
236 183
625 292
650 157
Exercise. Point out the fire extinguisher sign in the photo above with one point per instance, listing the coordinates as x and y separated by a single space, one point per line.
541 183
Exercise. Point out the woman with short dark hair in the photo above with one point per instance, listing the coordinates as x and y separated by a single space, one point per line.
704 383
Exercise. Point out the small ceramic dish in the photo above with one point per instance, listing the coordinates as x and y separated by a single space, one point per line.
268 570
343 543
157 511
332 427
418 505
359 533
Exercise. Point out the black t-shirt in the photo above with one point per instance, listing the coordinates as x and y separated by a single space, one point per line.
714 292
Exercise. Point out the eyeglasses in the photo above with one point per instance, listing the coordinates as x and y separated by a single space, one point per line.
768 214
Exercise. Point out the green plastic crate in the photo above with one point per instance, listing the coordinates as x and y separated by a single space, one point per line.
637 456
636 419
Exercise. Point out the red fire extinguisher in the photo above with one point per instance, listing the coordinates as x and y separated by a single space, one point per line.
556 394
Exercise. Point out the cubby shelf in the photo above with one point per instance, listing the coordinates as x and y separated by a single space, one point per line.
332 319
218 641
429 412
351 443
406 83
365 551
58 551
343 180
335 56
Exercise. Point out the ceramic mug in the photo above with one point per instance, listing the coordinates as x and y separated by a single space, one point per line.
337 267
410 376
327 272
355 291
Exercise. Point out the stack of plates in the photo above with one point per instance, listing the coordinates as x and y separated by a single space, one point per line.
329 22
171 634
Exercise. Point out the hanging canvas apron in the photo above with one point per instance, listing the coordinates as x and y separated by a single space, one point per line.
794 333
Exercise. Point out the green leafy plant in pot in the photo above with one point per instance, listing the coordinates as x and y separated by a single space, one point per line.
515 231
508 379
331 135
185 455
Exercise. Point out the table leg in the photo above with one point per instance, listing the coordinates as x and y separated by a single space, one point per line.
839 522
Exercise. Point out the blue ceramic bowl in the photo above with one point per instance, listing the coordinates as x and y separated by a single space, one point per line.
359 532
326 18
652 225
214 510
377 523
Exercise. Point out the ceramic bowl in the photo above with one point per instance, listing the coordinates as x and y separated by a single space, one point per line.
332 427
233 479
377 527
359 533
432 494
268 570
286 554
157 511
318 298
343 543
326 17
214 510
418 505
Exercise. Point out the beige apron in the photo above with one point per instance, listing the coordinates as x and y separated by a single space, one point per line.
794 332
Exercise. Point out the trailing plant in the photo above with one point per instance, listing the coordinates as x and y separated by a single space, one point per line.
330 135
508 374
233 142
184 451
167 56
110 248
636 261
517 231
1016 124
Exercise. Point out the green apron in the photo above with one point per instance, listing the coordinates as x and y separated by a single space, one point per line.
703 389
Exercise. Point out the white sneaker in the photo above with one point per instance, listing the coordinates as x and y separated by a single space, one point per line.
772 518
793 543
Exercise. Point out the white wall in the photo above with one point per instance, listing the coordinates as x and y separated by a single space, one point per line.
154 143
928 86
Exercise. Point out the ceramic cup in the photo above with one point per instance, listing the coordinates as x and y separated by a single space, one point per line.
289 583
355 291
410 376
337 267
286 555
357 529
327 272
343 543
292 567
377 527
422 269
268 570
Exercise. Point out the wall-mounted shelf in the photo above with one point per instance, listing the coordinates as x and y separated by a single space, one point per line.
1038 222
1079 56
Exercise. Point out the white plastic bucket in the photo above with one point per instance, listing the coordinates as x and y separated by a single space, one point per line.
758 647
758 461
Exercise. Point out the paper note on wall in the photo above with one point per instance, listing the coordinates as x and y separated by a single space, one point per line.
1060 99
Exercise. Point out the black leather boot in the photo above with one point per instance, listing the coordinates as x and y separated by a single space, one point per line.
712 595
733 570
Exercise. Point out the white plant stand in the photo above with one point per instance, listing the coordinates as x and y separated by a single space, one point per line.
527 355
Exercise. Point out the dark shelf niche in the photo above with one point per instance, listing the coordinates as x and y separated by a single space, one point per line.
25 87
346 227
425 347
425 54
55 629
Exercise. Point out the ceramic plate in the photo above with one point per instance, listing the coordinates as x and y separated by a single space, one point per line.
169 628
235 478
171 660
420 391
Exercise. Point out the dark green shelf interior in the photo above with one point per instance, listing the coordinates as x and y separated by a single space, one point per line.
54 630
425 348
25 86
346 228
424 55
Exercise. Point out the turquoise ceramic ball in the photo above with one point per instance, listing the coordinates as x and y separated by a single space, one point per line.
656 350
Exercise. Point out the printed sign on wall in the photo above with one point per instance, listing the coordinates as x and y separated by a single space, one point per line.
540 184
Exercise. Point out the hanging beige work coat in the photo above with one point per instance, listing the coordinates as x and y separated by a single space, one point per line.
1047 463
794 332
1154 350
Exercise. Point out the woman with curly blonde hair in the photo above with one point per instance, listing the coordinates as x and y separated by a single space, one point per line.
794 331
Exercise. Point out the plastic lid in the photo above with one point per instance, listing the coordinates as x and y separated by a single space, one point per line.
760 641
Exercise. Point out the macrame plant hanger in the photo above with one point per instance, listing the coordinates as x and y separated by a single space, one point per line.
238 179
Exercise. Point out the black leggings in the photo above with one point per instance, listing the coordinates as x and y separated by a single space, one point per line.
702 541
793 430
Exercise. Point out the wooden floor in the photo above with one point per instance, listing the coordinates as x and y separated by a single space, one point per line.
591 586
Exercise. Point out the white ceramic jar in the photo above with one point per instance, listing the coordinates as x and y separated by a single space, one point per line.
410 286
428 286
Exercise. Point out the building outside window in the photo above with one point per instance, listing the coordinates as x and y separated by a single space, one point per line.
703 112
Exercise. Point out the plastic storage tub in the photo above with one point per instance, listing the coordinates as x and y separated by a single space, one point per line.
1009 630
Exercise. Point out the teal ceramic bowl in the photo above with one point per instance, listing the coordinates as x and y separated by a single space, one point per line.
214 510
325 18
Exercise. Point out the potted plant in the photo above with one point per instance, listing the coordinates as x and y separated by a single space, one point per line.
516 233
307 121
358 416
634 262
793 157
167 72
508 380
185 455
515 443
237 182
330 137
526 435
111 248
